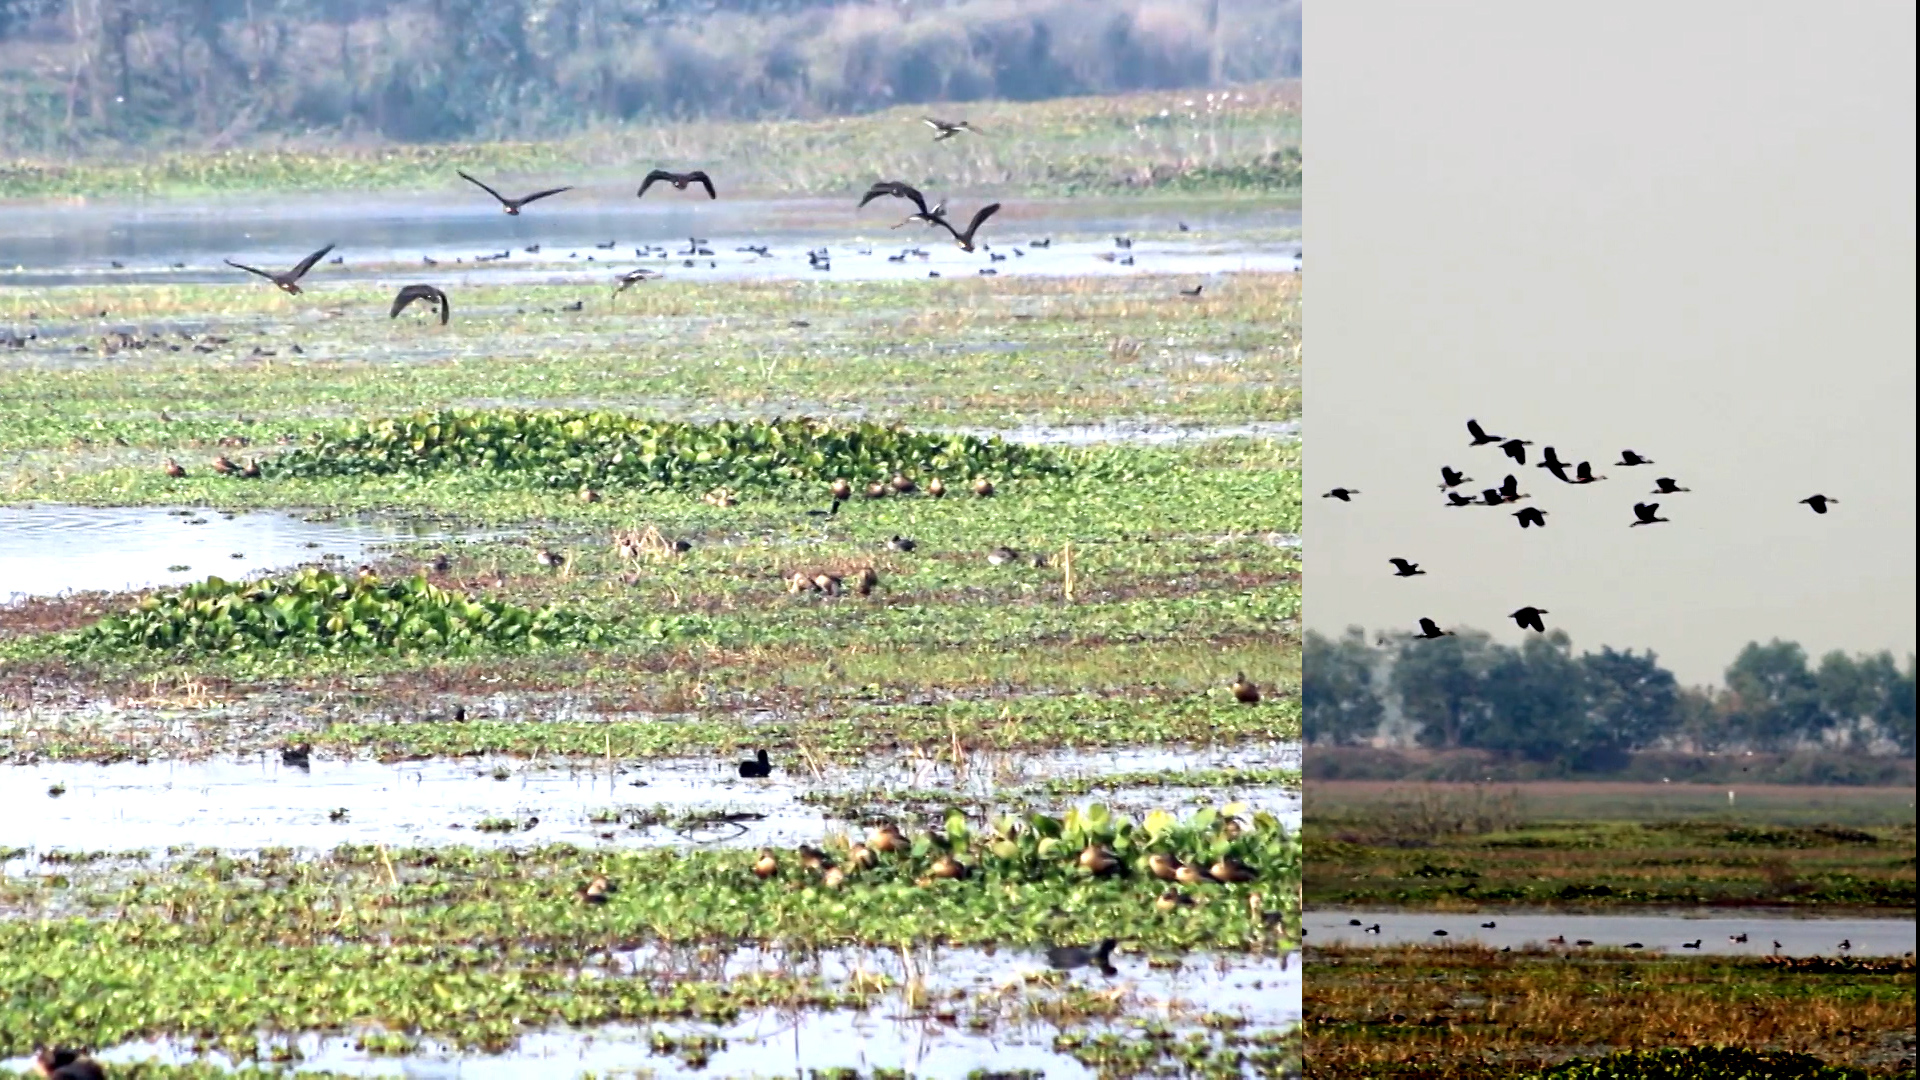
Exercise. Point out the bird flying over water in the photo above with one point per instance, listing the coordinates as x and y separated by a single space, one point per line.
678 180
898 190
434 298
289 281
512 206
965 239
1529 619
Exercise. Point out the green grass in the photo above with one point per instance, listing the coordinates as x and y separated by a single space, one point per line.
1469 1013
1151 141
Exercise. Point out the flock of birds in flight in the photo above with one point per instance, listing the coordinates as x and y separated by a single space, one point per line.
435 299
1529 517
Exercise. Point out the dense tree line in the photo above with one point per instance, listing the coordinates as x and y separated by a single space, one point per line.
1541 702
217 71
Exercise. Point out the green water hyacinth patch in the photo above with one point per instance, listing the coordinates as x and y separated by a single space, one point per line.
318 611
562 449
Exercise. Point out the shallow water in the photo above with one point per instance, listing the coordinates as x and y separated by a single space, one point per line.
255 802
1265 991
387 237
1663 932
51 549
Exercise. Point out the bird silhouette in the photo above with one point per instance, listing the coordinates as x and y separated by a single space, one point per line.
965 239
1628 457
1343 494
435 299
1551 460
1492 497
1510 489
758 767
1645 513
1666 485
289 281
1819 503
1480 436
1583 474
1430 630
1450 477
1529 619
1558 469
1531 516
1195 291
1516 449
1454 498
512 206
678 180
1403 568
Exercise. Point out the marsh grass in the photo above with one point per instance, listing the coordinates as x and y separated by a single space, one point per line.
1146 141
1471 1013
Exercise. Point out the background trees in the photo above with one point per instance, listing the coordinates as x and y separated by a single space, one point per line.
1543 703
199 72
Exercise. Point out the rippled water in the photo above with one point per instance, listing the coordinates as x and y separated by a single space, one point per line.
48 550
1668 932
249 803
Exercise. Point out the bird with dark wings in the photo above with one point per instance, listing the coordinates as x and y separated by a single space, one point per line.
434 298
512 206
964 240
678 180
898 190
288 282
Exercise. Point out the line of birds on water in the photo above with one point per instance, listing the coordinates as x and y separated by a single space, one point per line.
1846 944
1577 475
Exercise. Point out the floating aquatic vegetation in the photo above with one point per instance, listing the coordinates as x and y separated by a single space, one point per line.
608 450
317 610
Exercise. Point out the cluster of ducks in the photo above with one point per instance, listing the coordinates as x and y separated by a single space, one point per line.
1580 474
1846 944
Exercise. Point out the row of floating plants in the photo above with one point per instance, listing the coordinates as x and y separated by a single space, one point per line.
563 448
316 610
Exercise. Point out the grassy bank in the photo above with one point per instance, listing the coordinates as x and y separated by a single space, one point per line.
1169 142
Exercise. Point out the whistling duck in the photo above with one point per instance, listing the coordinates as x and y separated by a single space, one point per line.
1230 871
678 180
436 301
1343 494
1451 477
1531 516
1628 457
288 282
964 240
1645 513
877 490
886 838
224 465
511 206
1510 489
1244 692
946 129
1098 860
1583 474
903 484
1516 449
1189 874
1430 630
1480 436
1163 866
1002 555
895 189
1667 485
1819 503
1403 568
596 890
766 865
947 867
1172 900
1529 618
983 487
936 488
634 277
1454 498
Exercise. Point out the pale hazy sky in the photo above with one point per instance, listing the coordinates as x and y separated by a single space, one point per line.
1687 229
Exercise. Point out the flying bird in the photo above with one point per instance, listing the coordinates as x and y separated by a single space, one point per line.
1531 516
1529 619
1430 630
289 281
678 180
1645 513
1454 498
1584 474
947 129
1558 469
1403 568
434 298
634 277
1516 449
1480 436
1343 494
1551 460
1819 503
965 239
1666 485
1492 497
1628 457
898 190
1510 489
1450 477
512 206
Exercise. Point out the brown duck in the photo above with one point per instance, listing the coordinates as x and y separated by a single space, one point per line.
512 206
288 282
